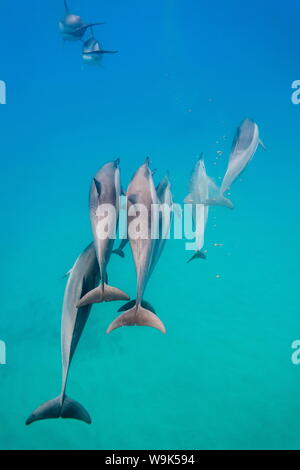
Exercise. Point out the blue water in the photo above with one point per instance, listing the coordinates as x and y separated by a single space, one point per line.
185 76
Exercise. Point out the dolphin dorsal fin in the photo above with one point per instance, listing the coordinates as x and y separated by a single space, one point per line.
66 7
98 186
133 199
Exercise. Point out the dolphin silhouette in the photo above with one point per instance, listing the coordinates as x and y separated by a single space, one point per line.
201 187
72 26
164 194
83 277
92 52
141 191
244 146
105 190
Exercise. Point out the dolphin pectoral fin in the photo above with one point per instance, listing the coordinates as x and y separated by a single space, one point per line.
133 199
87 26
188 199
220 201
132 303
137 316
262 144
109 52
119 253
98 186
197 255
54 409
102 293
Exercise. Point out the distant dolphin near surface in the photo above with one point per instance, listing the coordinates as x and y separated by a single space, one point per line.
200 186
83 277
244 147
92 52
141 191
72 26
105 191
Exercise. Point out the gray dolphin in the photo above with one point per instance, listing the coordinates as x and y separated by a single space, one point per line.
92 52
105 190
244 146
141 191
201 187
83 277
72 27
164 194
163 191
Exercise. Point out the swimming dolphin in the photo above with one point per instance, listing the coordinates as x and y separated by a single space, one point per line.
83 277
105 190
164 194
243 149
141 191
92 52
72 27
163 191
200 186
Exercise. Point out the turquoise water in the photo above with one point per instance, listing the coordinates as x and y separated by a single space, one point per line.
185 76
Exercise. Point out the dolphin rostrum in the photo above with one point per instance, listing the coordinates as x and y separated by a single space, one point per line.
72 27
200 187
92 52
105 193
141 193
83 277
243 149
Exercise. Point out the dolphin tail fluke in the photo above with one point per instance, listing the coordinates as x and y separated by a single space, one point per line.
57 408
132 303
103 293
197 255
119 253
262 144
137 316
220 201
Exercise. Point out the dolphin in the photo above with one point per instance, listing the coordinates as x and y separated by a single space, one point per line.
83 277
92 52
244 146
72 27
164 194
141 191
163 191
200 187
105 190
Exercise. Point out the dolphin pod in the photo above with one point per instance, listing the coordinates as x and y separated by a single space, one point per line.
73 28
83 288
